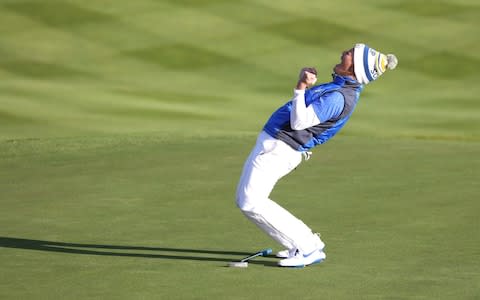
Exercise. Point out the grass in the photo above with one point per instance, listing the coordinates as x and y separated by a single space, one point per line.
145 217
124 127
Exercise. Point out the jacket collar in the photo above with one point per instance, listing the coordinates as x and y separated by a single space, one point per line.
345 80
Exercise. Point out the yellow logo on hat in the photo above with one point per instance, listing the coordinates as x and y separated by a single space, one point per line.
381 63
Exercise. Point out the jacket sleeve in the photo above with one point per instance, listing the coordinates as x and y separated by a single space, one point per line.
301 116
326 107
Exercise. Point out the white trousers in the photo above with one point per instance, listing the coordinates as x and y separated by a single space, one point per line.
270 160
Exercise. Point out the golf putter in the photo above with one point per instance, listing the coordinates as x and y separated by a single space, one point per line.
244 262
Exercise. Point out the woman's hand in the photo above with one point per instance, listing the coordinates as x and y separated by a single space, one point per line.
307 78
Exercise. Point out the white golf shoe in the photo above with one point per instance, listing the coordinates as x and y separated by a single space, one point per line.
299 260
291 252
286 253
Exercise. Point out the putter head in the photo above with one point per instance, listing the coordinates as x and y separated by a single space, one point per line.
238 264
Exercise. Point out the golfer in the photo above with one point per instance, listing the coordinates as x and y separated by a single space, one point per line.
313 116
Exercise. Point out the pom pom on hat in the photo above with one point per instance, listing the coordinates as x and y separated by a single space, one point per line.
392 61
369 64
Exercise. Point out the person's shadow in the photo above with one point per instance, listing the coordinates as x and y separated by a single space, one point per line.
127 251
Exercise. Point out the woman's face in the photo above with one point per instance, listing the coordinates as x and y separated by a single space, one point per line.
345 67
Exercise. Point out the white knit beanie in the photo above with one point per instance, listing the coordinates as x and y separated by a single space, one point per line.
369 64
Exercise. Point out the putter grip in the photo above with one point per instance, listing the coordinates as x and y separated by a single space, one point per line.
266 252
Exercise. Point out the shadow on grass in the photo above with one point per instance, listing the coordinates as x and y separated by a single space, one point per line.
106 250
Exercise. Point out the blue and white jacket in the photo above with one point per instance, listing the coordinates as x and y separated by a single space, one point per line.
332 112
